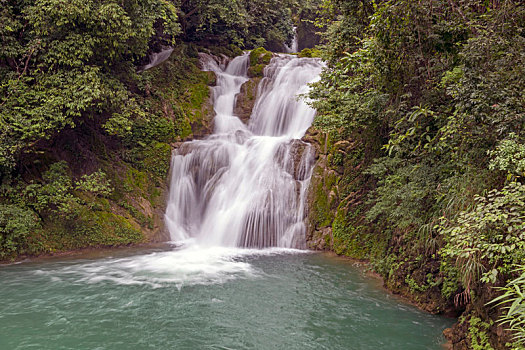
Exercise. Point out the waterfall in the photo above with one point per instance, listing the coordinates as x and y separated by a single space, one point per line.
157 58
295 43
245 185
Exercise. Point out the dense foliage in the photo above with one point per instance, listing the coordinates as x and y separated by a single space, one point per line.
422 103
247 24
430 93
84 133
58 63
513 299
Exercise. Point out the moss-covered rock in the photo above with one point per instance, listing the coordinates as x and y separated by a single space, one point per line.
260 56
256 71
245 99
259 59
309 53
323 196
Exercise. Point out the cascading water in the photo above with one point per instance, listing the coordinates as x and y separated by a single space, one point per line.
244 186
157 58
294 46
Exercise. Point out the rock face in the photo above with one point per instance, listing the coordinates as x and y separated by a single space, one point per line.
322 199
245 99
307 36
202 125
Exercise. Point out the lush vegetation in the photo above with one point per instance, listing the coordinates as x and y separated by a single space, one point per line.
85 134
424 107
247 24
421 120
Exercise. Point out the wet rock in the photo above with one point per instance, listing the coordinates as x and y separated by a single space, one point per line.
203 126
259 59
302 157
245 99
321 239
307 36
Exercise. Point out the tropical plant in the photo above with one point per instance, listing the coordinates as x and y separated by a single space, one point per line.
513 301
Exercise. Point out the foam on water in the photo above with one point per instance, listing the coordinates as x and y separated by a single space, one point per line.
192 265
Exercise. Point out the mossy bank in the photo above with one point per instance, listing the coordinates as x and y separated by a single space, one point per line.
337 221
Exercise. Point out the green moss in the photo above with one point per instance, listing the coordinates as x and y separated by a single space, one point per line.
135 179
260 56
142 219
248 93
256 70
90 229
198 93
324 198
107 228
100 203
310 53
328 241
155 195
195 97
349 240
185 128
157 159
322 214
331 181
266 58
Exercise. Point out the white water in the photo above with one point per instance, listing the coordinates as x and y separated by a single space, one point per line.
244 186
194 265
294 47
157 58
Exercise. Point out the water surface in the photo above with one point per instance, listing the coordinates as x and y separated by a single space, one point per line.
206 298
